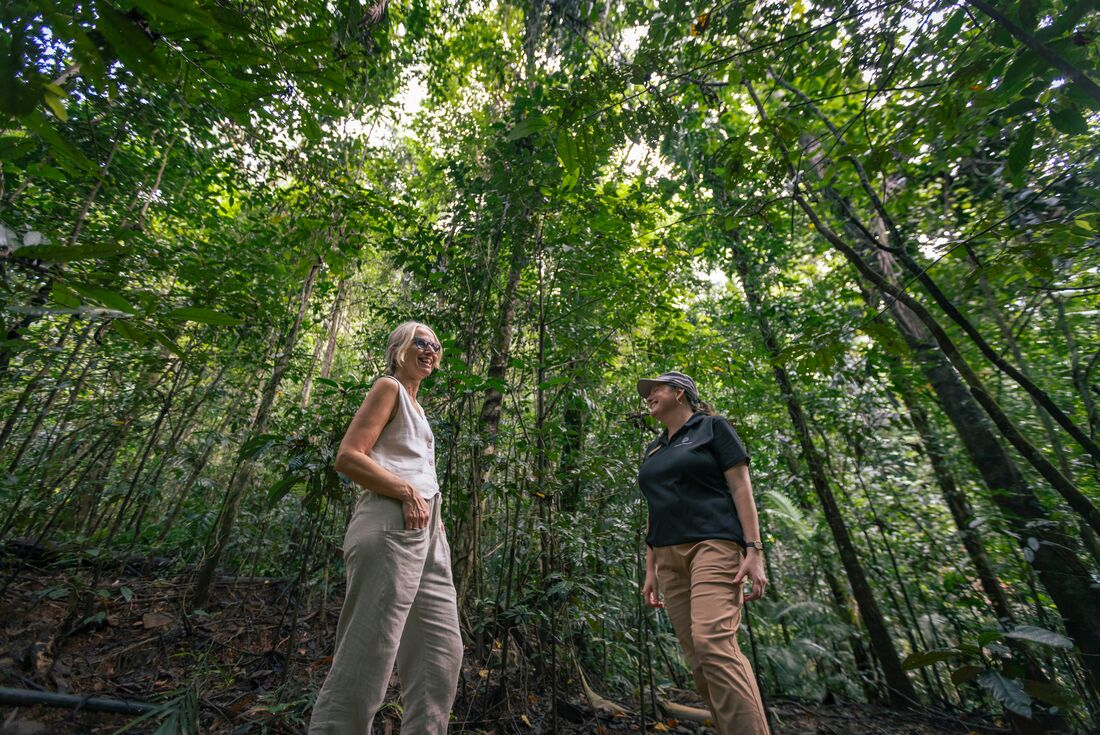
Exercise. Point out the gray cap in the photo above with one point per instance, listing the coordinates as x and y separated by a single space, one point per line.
673 378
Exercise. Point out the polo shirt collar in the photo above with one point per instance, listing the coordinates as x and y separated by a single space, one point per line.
695 418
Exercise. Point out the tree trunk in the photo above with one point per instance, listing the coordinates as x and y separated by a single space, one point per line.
31 387
334 322
956 501
900 689
242 478
468 543
1041 399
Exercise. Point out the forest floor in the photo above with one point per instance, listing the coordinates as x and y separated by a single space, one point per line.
225 665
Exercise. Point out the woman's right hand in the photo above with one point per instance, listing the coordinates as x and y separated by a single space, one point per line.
650 593
416 510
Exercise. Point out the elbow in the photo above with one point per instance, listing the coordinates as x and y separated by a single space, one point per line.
343 461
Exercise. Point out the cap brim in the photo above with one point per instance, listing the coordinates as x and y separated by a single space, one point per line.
645 385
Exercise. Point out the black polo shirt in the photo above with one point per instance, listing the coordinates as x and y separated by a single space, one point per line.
684 482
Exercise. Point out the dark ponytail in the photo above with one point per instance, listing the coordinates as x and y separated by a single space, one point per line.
702 407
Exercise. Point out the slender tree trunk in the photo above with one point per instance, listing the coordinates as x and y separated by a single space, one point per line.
868 675
242 479
961 512
43 292
1042 400
149 445
334 322
47 405
466 561
1065 577
31 387
900 689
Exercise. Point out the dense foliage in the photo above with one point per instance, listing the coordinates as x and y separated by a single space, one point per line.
868 229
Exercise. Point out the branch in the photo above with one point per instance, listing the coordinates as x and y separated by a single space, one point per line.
24 697
1041 49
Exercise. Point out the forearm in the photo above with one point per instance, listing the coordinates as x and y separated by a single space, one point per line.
367 473
743 501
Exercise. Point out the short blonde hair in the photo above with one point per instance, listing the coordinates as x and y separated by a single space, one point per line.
399 341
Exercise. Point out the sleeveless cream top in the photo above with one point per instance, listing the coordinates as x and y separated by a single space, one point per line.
406 447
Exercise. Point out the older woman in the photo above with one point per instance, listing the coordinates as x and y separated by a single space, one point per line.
702 543
400 604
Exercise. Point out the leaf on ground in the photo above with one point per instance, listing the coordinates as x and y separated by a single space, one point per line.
156 620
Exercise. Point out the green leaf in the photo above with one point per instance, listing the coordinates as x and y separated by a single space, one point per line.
64 296
966 673
204 316
184 13
279 490
529 126
567 153
989 636
68 254
66 152
1020 106
165 341
1051 693
1006 691
1019 73
311 128
130 42
953 25
257 445
920 659
1042 636
1069 120
886 336
128 330
104 296
1020 153
56 106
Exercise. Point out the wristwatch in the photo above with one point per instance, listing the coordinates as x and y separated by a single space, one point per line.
759 546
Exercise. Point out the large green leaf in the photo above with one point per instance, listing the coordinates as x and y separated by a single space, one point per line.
67 254
1069 121
204 316
1019 154
1007 691
105 296
1041 636
920 659
529 126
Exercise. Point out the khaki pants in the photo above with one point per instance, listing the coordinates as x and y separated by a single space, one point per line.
400 606
705 608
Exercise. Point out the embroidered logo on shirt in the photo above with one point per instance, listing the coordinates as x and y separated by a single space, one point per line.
685 441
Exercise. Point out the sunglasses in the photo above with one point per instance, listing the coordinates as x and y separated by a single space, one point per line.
426 344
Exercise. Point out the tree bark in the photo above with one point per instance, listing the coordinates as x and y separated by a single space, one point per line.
334 322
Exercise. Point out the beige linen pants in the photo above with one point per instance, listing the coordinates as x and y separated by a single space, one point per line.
400 606
705 608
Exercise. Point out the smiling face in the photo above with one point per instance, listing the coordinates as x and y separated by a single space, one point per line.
662 400
420 357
